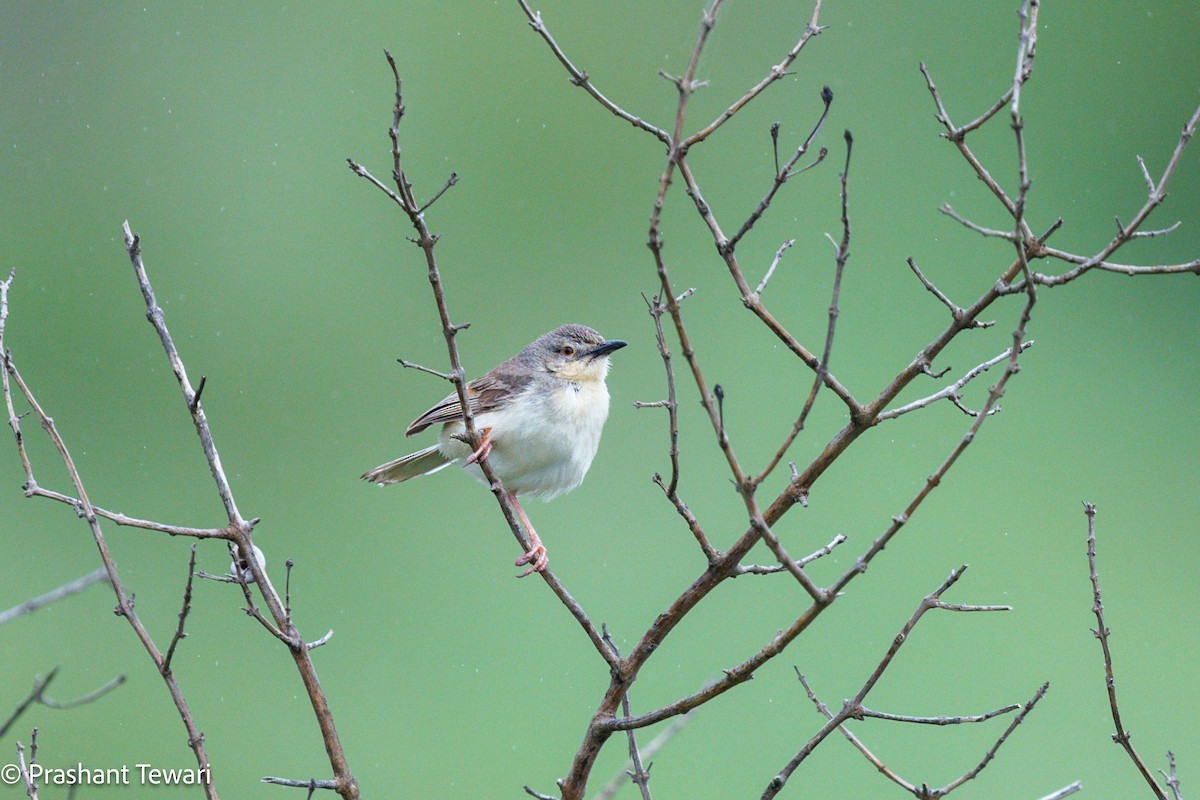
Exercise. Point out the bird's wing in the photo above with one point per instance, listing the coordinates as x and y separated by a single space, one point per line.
484 394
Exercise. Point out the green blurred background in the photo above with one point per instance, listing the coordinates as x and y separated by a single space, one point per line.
220 131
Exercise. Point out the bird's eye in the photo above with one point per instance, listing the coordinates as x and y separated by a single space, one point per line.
568 350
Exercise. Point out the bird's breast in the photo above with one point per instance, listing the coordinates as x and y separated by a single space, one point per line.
543 442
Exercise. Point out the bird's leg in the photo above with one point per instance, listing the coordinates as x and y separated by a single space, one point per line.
484 449
536 557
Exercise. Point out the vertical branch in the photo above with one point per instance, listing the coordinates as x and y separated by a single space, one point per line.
638 774
1101 632
240 532
843 254
427 241
183 612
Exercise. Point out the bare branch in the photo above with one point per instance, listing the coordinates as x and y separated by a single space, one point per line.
693 524
319 642
1156 232
656 309
1066 791
762 285
1017 720
41 601
638 774
183 613
777 72
648 752
853 708
83 700
771 569
37 696
966 223
824 711
842 251
956 312
581 79
960 720
453 179
427 242
87 512
127 521
1108 266
413 365
39 686
1156 196
782 174
311 784
1146 175
1122 736
1170 778
952 391
31 787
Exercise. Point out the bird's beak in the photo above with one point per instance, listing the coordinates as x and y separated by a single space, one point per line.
604 348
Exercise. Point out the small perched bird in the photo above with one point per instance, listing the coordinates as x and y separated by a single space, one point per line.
539 416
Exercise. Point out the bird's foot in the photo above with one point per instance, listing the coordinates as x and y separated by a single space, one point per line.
536 558
484 449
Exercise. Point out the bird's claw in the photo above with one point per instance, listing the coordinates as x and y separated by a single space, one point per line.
484 449
536 558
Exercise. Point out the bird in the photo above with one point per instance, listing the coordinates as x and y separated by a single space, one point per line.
539 416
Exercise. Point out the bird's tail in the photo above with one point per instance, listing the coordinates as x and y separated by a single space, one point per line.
422 462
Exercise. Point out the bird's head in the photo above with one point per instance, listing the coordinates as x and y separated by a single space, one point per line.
574 353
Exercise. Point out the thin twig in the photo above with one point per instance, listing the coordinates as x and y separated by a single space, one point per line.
1170 777
776 72
581 79
762 285
1154 199
771 569
82 700
842 251
31 787
41 601
782 174
853 707
413 365
638 773
648 752
313 645
952 391
966 223
955 311
959 720
310 784
39 686
991 753
1066 791
1101 632
183 613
